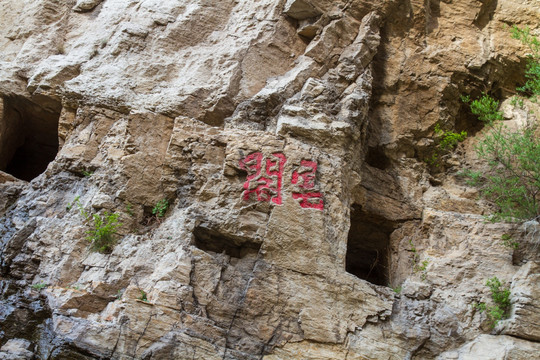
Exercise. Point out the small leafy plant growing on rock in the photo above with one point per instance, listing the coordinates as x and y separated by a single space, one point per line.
509 242
417 265
143 296
103 231
446 141
102 228
161 208
449 139
39 286
422 269
75 201
129 210
532 71
500 295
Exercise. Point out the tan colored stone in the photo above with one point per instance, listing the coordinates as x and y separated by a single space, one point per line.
165 99
524 322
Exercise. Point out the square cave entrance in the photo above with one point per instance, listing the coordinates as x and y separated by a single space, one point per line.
368 247
28 135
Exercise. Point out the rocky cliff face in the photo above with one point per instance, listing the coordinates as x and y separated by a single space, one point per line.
290 139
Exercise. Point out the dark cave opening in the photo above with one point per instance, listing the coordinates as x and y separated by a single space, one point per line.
368 247
211 241
28 136
376 157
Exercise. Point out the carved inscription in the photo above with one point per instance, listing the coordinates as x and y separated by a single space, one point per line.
304 177
265 176
264 180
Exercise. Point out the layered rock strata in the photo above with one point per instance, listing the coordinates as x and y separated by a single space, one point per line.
290 139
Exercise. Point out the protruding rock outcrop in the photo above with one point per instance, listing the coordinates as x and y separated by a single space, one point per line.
286 143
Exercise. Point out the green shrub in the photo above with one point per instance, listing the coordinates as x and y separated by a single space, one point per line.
102 228
161 208
532 71
446 141
39 286
513 156
486 108
500 295
472 178
102 233
449 139
513 179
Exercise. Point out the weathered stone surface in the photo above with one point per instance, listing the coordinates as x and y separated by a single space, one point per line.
16 349
86 5
524 322
285 135
300 9
494 348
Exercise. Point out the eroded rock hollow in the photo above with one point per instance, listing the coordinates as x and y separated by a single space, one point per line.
264 169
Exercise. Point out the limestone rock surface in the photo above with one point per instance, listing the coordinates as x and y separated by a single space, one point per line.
287 143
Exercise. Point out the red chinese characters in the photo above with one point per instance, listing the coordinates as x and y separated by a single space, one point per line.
264 180
265 176
304 178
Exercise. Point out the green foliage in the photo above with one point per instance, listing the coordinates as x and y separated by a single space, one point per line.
398 289
422 269
524 35
129 210
532 85
500 295
433 160
82 211
465 98
513 156
102 228
143 296
486 108
87 173
161 208
77 202
509 242
39 286
74 202
513 179
449 139
102 232
532 71
517 101
472 178
446 141
417 266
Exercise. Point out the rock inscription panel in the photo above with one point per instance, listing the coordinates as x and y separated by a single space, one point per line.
264 181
